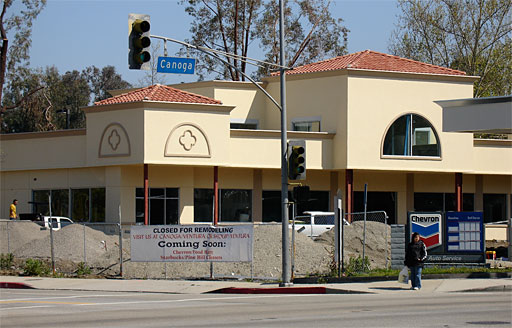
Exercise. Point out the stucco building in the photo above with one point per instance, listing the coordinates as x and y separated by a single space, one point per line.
366 118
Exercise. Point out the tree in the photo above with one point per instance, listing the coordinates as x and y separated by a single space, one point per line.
102 80
21 25
471 35
232 26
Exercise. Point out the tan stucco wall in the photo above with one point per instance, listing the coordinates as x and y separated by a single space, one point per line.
49 150
375 103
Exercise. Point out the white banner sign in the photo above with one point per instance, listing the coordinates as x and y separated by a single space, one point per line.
191 243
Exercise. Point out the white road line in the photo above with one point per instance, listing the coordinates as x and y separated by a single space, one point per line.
24 307
62 297
199 299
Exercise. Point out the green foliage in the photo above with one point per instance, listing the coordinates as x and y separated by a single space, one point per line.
36 268
357 264
83 269
37 97
233 26
472 36
6 260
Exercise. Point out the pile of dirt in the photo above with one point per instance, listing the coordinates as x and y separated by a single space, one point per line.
100 251
377 242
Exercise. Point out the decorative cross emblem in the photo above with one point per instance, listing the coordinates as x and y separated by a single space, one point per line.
114 139
188 140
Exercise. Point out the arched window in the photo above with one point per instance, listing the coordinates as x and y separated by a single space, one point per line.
411 135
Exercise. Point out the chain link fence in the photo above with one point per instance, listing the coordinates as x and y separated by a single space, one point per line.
105 248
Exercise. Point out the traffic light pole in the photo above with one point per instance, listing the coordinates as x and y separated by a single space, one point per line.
286 279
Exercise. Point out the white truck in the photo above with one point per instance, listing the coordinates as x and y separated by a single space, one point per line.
315 223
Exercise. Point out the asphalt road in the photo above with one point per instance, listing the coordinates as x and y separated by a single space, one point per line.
44 308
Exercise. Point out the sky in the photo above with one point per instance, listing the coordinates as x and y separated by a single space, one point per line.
75 34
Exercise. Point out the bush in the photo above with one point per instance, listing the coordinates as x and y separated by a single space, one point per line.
83 269
36 268
6 261
356 265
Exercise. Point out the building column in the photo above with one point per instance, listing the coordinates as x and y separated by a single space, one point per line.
257 195
333 189
349 192
215 195
409 192
479 193
458 192
146 194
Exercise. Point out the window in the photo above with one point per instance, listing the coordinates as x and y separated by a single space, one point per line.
235 205
313 126
60 202
80 205
163 206
441 202
411 135
271 207
495 208
377 201
248 126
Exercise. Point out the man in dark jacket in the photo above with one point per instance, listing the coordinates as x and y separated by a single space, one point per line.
415 254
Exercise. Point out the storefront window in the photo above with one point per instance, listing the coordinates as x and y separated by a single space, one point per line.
60 202
163 206
203 205
441 202
495 209
318 201
80 205
236 205
377 201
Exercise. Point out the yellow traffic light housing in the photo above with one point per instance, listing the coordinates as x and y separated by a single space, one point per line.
139 41
297 160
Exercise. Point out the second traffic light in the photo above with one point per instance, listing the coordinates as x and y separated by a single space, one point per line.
297 160
138 41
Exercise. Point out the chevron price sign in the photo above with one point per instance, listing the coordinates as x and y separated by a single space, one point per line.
429 226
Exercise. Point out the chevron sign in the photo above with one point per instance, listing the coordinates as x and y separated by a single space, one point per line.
429 227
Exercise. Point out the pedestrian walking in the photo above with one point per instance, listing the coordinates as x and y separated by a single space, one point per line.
415 255
12 210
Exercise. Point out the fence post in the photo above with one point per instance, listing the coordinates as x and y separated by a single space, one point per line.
50 223
120 249
85 252
8 239
363 263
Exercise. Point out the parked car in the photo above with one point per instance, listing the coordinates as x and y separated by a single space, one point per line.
315 223
58 222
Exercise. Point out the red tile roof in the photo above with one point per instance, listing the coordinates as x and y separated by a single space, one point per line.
159 93
372 60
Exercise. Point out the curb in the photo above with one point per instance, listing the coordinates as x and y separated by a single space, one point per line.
15 285
335 280
285 290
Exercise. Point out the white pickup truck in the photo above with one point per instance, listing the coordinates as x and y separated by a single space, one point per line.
58 222
315 223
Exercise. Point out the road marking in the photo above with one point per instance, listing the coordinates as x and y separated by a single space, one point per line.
41 302
199 299
25 307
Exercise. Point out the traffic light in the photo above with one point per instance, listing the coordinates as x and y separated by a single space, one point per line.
138 41
297 160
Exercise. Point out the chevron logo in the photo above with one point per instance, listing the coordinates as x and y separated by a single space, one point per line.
429 228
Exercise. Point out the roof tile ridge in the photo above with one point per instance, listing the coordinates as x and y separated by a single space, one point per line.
328 60
155 88
191 94
419 62
357 57
121 95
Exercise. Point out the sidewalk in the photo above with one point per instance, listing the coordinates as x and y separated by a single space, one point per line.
208 286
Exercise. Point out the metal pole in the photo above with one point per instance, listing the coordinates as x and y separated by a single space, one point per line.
121 244
286 280
364 227
85 254
51 233
8 239
294 210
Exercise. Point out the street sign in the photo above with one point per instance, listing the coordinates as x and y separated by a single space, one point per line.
176 65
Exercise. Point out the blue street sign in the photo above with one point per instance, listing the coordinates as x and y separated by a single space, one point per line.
176 65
